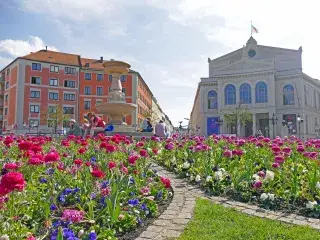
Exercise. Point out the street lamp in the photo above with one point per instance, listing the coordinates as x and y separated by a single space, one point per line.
274 121
300 120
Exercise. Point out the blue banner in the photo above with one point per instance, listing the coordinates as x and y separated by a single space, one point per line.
212 125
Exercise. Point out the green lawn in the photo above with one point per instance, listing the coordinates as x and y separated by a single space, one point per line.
213 221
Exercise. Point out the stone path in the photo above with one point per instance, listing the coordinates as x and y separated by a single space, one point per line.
174 219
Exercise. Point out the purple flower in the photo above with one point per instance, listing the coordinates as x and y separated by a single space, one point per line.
92 236
133 202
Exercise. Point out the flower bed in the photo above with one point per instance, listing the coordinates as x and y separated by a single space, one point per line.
279 174
99 188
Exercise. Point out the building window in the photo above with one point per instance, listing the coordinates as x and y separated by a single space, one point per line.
53 82
6 98
53 96
35 80
99 91
68 110
307 124
34 109
7 85
124 90
212 99
87 76
87 90
36 66
69 70
34 122
305 95
69 97
8 71
35 94
314 98
5 111
98 102
288 95
99 77
230 94
110 78
245 93
54 69
123 78
52 109
109 89
261 92
87 105
69 84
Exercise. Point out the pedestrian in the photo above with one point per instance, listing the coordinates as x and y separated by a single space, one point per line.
74 128
161 129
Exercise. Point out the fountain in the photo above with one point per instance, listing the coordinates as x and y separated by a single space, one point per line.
116 108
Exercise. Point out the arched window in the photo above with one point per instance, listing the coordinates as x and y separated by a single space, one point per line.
288 95
261 92
212 99
230 94
245 93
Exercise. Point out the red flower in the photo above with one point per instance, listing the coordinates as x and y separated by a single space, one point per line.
11 166
166 182
140 144
135 172
60 166
82 150
78 162
24 145
34 160
65 143
12 181
88 164
132 159
155 151
51 157
36 148
111 165
143 153
98 173
111 148
7 141
103 145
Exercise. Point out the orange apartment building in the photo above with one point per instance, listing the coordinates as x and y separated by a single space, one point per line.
38 82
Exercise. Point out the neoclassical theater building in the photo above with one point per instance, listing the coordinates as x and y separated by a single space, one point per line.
269 82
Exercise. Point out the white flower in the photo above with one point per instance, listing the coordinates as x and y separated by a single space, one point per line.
4 237
256 177
318 185
264 196
271 196
218 175
191 178
310 205
80 233
187 174
186 165
269 175
304 170
198 178
208 179
173 160
222 170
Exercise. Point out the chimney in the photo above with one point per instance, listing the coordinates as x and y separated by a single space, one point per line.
101 59
46 48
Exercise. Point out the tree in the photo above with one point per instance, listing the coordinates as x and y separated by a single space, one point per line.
57 115
239 115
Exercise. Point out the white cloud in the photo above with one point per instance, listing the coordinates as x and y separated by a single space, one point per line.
4 61
17 48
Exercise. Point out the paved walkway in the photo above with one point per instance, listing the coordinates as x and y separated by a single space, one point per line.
174 219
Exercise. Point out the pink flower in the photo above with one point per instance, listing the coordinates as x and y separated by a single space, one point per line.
11 166
257 184
279 159
275 165
286 150
275 149
72 215
169 146
78 162
35 160
166 182
98 173
300 148
227 153
132 159
145 191
51 157
143 153
139 144
261 174
124 170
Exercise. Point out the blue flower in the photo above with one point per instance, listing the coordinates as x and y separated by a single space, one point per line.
53 207
67 191
43 180
93 159
139 221
104 184
132 193
159 195
131 180
56 224
103 200
50 171
144 207
133 202
76 190
92 236
62 198
93 195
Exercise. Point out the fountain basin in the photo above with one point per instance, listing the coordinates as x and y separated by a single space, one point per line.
116 111
116 67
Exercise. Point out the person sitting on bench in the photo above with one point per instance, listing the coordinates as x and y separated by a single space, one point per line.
96 125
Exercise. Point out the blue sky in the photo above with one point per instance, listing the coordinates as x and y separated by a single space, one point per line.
167 41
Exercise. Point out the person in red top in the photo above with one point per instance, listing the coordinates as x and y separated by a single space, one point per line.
96 124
